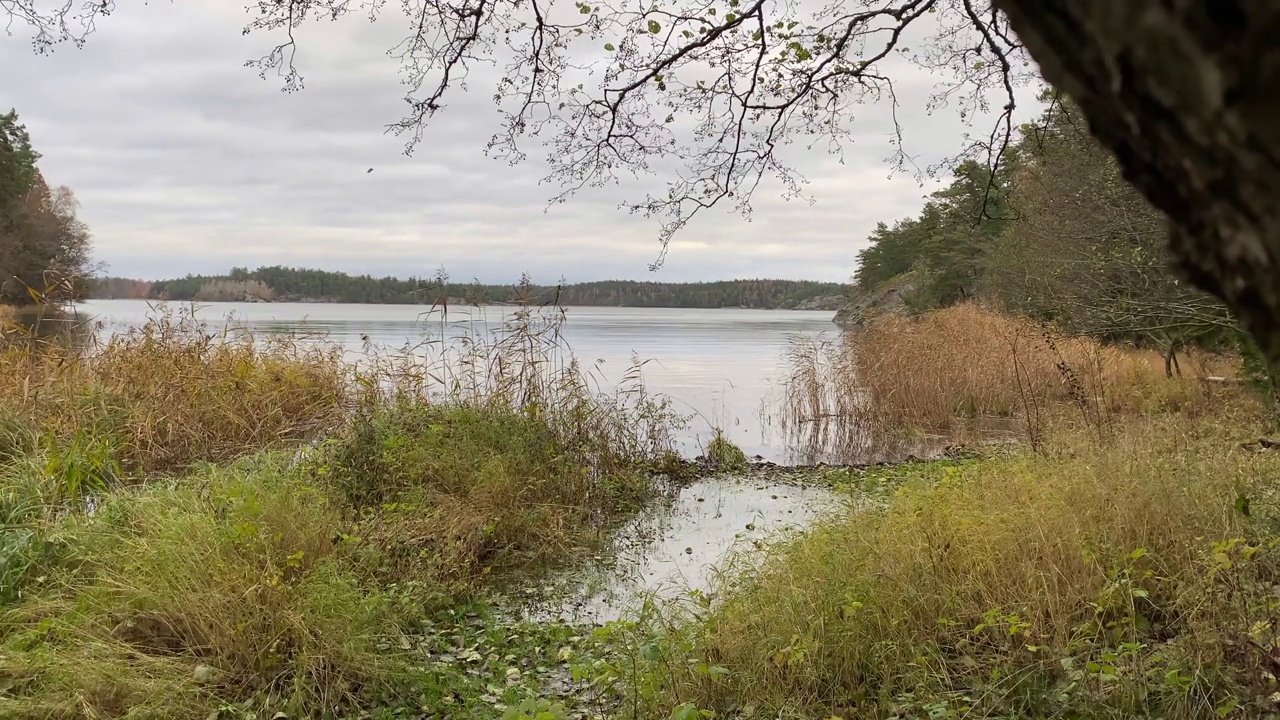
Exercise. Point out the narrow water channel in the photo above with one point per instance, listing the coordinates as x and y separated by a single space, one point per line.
677 546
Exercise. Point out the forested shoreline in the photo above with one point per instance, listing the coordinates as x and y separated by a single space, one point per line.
1056 236
283 284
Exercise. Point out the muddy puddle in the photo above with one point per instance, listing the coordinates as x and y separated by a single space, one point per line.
678 545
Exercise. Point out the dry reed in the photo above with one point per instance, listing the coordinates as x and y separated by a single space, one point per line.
493 452
946 367
175 392
277 583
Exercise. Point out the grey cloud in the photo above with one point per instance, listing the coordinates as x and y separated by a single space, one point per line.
186 161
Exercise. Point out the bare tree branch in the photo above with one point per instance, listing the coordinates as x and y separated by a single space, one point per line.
706 92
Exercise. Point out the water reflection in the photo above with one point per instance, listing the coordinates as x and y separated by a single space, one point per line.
48 325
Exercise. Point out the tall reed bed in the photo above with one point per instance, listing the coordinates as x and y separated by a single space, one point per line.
527 367
489 453
174 391
939 371
1121 564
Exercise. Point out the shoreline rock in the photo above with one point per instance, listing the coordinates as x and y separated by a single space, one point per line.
889 298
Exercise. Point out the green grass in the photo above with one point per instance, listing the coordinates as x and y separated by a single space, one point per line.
172 548
274 534
335 583
237 571
454 495
723 455
1095 580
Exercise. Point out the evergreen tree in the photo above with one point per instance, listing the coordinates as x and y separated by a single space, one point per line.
44 248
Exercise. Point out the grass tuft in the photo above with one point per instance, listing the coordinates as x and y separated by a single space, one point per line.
208 524
452 495
1115 579
227 585
723 455
174 392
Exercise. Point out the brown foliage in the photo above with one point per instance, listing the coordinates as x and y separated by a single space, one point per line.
44 248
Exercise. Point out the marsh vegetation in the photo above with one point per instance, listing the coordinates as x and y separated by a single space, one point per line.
205 524
1078 516
1107 551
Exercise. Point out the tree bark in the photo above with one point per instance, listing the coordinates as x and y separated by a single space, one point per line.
1186 93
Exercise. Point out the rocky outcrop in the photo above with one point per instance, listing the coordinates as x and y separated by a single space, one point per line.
823 302
889 298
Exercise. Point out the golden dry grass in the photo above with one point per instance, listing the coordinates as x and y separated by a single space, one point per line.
935 371
206 584
455 496
174 392
1101 580
1122 565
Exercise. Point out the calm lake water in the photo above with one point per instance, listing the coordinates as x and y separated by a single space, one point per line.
720 366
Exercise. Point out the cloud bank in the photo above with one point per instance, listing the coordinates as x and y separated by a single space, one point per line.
185 161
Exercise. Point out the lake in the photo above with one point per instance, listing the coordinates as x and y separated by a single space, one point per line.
722 366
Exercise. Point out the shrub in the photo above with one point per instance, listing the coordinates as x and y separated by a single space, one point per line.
1260 372
491 454
452 494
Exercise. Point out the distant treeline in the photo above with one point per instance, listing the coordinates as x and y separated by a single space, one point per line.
281 284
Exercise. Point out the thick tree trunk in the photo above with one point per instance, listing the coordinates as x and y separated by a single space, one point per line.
1186 93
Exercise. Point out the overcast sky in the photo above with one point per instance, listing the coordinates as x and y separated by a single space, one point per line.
185 161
